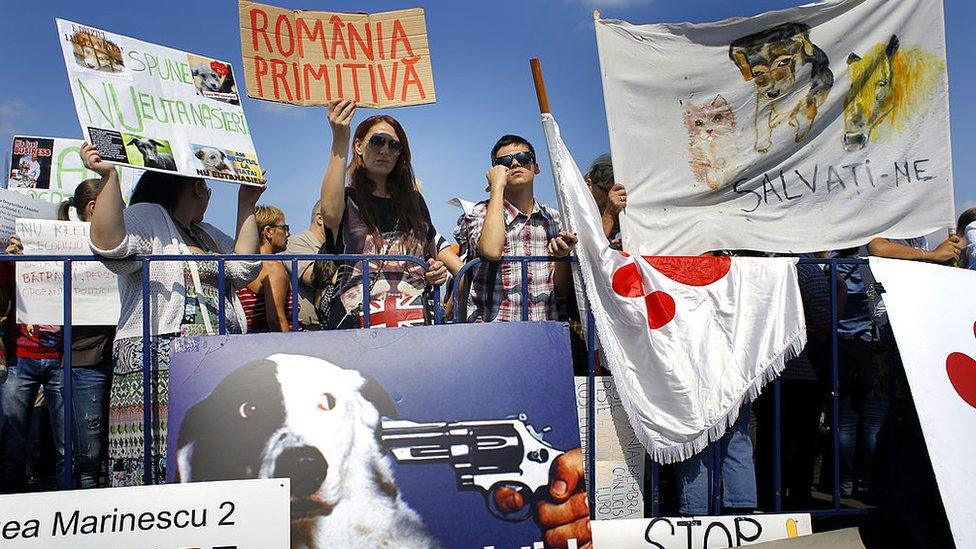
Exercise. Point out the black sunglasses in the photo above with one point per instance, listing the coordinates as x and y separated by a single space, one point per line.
378 140
524 158
284 227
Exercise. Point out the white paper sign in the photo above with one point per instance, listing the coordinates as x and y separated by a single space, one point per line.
49 169
239 514
810 128
15 205
40 289
619 454
932 310
717 532
158 108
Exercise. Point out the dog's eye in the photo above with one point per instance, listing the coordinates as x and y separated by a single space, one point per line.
783 63
247 410
882 82
326 402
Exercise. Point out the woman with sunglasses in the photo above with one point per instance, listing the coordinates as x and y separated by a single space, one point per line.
164 217
267 299
371 205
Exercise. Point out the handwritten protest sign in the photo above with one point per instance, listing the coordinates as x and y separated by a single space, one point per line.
40 284
49 169
619 455
158 108
15 205
312 57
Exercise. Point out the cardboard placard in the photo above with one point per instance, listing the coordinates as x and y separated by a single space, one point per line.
309 58
157 108
14 205
713 532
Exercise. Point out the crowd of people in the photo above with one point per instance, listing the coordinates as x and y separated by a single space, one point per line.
370 203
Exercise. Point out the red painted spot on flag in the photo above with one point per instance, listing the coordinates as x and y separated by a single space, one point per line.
660 309
961 369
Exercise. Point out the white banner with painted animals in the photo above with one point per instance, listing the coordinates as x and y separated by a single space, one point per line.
816 127
932 310
49 168
619 454
716 532
238 514
40 284
157 108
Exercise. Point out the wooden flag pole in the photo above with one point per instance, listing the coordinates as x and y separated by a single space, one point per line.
540 85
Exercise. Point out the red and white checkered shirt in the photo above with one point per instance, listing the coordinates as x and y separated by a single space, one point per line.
524 236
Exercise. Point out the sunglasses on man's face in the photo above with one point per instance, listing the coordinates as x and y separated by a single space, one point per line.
378 140
524 158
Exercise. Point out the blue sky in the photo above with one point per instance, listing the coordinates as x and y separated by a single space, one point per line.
480 53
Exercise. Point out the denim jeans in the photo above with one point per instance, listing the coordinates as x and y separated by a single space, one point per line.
25 378
738 483
90 387
862 415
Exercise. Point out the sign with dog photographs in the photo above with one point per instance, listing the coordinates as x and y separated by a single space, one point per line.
50 168
240 514
812 128
306 57
422 437
156 108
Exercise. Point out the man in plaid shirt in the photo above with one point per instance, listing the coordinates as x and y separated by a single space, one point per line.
512 223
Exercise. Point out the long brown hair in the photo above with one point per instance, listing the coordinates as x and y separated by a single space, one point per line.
85 192
400 184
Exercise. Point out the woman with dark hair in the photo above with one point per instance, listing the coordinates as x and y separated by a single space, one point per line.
371 205
966 228
164 217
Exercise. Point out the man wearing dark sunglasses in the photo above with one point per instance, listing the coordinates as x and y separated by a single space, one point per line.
512 223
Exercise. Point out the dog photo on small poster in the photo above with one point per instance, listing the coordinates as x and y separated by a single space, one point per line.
437 436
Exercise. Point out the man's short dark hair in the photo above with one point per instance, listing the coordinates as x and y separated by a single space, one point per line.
601 172
507 140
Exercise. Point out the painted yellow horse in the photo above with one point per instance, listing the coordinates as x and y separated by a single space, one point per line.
888 87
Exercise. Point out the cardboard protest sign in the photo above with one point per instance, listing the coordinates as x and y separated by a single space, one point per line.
14 205
699 532
619 454
309 58
157 108
49 168
395 437
816 127
40 284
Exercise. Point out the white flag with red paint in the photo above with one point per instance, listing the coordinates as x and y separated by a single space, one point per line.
932 310
688 339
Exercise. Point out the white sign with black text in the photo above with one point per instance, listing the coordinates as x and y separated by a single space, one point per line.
698 532
237 514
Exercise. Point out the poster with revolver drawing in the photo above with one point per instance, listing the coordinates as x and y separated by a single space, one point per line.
157 108
619 454
435 436
811 128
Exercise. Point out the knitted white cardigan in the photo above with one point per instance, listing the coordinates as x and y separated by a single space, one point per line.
150 230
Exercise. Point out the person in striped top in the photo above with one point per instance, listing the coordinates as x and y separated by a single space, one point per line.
267 299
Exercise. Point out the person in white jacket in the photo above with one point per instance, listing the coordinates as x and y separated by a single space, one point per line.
164 217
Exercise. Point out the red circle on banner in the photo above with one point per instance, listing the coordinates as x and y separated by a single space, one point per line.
961 369
660 309
693 271
627 281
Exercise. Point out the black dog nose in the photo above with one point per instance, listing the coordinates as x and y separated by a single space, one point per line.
305 466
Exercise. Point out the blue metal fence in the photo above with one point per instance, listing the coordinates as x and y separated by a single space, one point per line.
652 470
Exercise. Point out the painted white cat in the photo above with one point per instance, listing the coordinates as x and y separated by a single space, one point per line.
711 141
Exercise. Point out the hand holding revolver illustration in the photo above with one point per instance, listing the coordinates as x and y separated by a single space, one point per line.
505 459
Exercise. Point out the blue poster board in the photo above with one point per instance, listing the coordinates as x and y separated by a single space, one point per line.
460 394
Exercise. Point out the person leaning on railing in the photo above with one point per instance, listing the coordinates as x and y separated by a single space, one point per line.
267 299
164 217
380 212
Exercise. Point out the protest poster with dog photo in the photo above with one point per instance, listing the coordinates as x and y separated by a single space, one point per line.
438 436
49 169
155 108
805 129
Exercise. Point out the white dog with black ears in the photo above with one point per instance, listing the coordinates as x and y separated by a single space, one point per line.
316 423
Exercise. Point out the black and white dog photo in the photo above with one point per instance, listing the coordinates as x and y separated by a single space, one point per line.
306 419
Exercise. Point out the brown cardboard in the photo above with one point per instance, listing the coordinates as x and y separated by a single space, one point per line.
309 58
